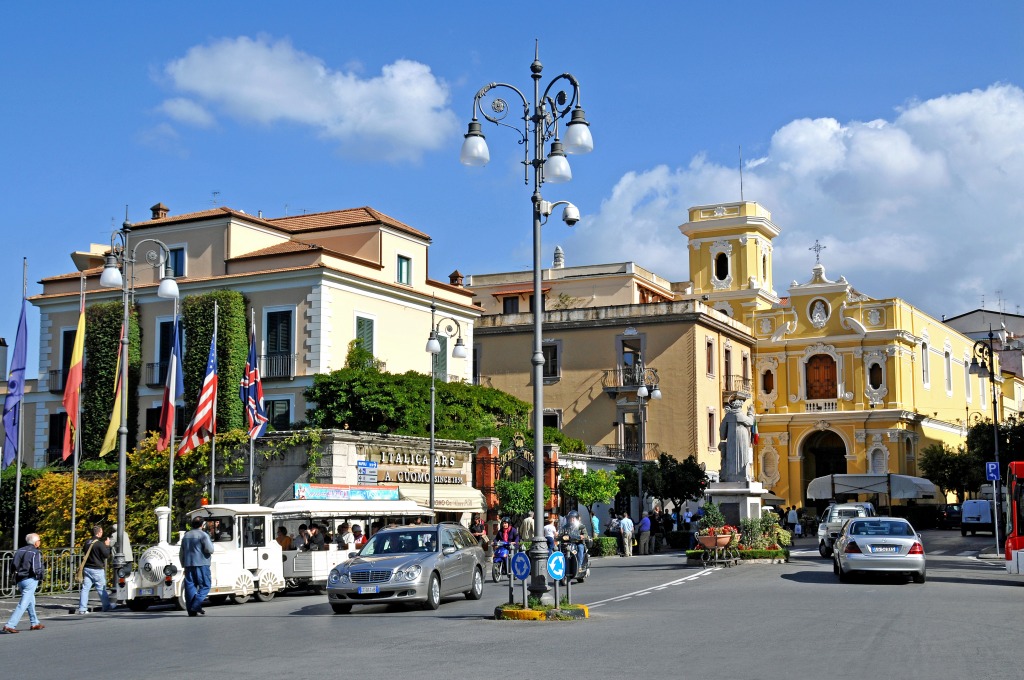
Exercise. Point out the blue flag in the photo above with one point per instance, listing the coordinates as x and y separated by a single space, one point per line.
15 392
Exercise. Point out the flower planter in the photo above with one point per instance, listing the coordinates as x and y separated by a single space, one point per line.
720 541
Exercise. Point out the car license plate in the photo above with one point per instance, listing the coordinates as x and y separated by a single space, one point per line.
884 549
366 590
145 591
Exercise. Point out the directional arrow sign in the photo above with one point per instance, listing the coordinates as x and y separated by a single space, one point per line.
521 566
556 565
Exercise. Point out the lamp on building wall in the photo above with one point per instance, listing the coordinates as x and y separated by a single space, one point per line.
648 387
450 326
539 125
986 369
119 272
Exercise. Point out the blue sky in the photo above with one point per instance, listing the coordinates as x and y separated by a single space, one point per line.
892 132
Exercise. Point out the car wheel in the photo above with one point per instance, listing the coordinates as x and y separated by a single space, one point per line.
963 532
844 577
477 591
918 577
264 597
824 550
433 593
341 608
496 572
239 599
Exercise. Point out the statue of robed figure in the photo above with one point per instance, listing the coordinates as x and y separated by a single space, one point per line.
735 442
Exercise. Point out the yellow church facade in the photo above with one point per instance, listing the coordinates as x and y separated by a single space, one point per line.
843 382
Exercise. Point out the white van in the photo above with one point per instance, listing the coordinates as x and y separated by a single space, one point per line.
976 516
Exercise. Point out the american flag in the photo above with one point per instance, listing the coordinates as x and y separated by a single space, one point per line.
251 392
204 422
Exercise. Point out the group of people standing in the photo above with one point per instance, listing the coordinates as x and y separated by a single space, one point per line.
647 535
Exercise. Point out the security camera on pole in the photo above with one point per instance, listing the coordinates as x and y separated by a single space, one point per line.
539 126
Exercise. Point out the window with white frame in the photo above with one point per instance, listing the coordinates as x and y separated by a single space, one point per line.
925 377
404 270
948 365
552 350
709 356
279 413
176 261
967 380
712 430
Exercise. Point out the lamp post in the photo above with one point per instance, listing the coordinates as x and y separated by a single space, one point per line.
119 272
986 368
648 388
434 348
539 125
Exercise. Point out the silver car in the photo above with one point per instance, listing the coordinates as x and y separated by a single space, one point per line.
879 544
418 563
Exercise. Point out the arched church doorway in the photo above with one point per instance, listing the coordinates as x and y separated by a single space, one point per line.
824 453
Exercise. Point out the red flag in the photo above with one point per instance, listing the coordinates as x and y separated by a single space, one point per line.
173 389
204 422
73 387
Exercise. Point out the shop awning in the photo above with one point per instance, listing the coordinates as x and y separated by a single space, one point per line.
894 486
447 497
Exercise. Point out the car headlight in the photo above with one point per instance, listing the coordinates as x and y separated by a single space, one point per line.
409 574
337 577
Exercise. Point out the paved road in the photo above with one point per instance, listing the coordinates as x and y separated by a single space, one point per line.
651 615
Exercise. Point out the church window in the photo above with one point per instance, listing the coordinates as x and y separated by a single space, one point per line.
768 382
875 376
721 266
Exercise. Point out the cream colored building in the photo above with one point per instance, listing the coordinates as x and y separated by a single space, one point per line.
316 282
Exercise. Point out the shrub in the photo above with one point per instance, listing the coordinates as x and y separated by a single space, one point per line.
604 546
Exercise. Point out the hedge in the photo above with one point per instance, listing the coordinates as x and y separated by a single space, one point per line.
604 546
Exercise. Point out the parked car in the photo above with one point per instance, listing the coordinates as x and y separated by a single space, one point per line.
976 516
832 521
417 563
947 515
879 544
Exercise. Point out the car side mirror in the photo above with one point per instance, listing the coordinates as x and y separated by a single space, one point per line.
352 554
448 550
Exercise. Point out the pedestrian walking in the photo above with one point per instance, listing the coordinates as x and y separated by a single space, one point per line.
196 549
94 571
792 518
527 526
28 572
550 531
595 522
626 526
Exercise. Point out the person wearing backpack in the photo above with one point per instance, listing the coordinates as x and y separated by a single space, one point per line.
29 571
93 571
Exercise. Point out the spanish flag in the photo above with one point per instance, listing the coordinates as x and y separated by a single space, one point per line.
73 388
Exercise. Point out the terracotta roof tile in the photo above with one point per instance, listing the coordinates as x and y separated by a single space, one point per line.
352 217
280 249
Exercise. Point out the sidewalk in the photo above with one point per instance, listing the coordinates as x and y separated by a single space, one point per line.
49 606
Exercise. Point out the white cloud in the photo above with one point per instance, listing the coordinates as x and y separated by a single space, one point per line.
396 115
925 207
187 111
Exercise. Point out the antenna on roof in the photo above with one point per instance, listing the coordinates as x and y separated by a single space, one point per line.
741 172
215 195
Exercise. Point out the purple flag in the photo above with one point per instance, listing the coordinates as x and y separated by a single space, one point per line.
15 392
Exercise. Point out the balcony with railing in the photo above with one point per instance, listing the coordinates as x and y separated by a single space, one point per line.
277 366
54 381
156 373
629 453
818 405
627 378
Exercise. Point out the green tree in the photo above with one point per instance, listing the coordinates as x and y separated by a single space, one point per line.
103 323
28 513
516 498
629 479
954 471
590 488
681 481
232 350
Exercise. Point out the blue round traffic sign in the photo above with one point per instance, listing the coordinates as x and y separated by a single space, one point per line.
521 566
556 565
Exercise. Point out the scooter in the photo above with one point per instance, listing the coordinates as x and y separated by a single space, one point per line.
574 570
502 565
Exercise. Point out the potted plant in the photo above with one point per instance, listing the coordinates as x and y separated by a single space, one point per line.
713 531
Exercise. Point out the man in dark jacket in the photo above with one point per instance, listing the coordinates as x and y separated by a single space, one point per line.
29 571
196 549
97 552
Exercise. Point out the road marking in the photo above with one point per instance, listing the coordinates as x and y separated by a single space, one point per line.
647 591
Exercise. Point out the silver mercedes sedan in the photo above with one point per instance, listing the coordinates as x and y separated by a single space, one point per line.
419 563
879 544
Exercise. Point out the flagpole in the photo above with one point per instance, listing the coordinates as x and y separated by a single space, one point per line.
252 446
17 417
78 419
213 434
171 453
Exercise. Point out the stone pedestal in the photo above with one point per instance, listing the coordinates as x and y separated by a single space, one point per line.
737 500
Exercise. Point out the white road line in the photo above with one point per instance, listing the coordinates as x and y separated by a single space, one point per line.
647 591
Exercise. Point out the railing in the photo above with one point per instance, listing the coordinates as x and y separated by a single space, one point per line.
625 377
276 366
156 373
738 383
815 405
632 453
61 566
55 381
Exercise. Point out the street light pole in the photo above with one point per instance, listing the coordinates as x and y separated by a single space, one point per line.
434 348
986 368
648 387
119 272
539 125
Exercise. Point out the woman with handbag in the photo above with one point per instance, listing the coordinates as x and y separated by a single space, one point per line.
92 571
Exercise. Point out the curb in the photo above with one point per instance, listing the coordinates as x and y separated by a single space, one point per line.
578 612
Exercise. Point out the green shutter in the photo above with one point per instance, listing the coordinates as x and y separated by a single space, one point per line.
364 332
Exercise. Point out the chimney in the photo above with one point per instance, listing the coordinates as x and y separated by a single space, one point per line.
559 257
159 211
3 355
455 278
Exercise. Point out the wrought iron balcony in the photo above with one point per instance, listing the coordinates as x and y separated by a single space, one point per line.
277 366
628 378
156 373
55 381
631 453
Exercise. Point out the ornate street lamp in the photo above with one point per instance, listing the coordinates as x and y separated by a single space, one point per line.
539 126
648 388
450 326
119 272
986 368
